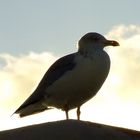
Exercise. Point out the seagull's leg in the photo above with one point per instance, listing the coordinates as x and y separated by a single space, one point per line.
66 109
78 113
67 115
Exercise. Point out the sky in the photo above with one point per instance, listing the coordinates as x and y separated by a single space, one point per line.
34 33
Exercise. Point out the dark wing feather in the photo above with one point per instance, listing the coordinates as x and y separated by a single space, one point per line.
57 69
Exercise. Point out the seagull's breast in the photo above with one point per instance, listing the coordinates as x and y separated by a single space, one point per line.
81 83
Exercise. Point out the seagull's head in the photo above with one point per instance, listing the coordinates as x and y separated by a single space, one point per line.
94 40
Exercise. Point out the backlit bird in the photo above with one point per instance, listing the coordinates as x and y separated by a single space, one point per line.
73 79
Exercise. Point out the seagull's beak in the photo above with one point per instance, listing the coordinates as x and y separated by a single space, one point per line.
111 43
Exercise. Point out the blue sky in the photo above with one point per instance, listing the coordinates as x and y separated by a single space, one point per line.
48 25
34 33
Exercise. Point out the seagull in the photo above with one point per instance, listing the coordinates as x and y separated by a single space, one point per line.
73 79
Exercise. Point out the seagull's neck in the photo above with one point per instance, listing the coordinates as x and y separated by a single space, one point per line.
89 51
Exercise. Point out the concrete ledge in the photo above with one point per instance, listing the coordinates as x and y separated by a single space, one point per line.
69 130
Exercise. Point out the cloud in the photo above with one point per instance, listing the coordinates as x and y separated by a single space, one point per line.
125 68
19 75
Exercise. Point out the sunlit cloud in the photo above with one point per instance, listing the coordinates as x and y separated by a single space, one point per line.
125 61
19 76
117 102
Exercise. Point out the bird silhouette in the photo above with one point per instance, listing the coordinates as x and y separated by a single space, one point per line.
73 79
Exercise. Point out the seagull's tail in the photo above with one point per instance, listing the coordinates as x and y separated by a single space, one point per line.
31 109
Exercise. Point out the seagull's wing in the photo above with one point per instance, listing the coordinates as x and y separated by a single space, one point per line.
57 69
